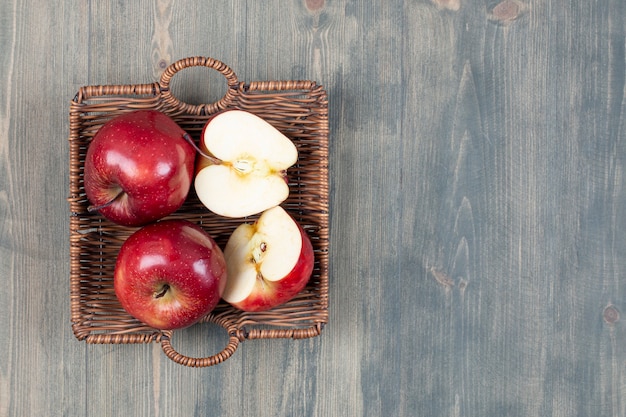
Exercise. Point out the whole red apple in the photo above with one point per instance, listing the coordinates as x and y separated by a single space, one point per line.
138 168
169 274
269 262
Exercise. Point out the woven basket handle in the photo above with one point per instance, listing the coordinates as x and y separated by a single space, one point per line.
231 347
201 109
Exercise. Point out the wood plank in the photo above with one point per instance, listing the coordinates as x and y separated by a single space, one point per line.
503 225
37 81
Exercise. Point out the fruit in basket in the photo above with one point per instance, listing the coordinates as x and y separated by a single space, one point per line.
241 168
138 168
269 262
169 274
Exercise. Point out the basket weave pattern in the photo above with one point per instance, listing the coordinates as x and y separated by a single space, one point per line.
299 109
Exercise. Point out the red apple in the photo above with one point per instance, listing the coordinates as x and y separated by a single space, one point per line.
169 274
138 168
269 262
241 169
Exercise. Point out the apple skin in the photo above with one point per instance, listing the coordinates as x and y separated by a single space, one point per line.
267 294
141 156
170 274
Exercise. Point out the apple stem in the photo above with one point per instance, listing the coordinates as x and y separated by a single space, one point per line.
211 158
93 208
163 291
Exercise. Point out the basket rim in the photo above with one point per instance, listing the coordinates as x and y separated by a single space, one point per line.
241 327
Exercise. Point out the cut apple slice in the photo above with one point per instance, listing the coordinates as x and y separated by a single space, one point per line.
245 172
268 262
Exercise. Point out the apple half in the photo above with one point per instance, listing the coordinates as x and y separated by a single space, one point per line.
268 262
242 163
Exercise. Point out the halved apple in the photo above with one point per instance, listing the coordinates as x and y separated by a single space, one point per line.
268 262
242 163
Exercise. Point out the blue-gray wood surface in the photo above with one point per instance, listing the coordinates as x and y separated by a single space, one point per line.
478 206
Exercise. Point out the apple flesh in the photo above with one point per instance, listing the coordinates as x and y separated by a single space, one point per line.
169 274
269 262
138 168
241 169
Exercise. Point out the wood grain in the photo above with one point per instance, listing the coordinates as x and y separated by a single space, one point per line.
478 206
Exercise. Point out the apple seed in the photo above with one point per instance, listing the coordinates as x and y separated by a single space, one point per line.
257 252
243 166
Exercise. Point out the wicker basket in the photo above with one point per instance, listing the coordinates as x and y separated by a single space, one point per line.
298 109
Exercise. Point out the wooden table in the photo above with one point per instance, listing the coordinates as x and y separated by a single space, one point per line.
478 206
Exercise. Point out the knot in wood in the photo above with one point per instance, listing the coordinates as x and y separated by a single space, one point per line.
611 315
